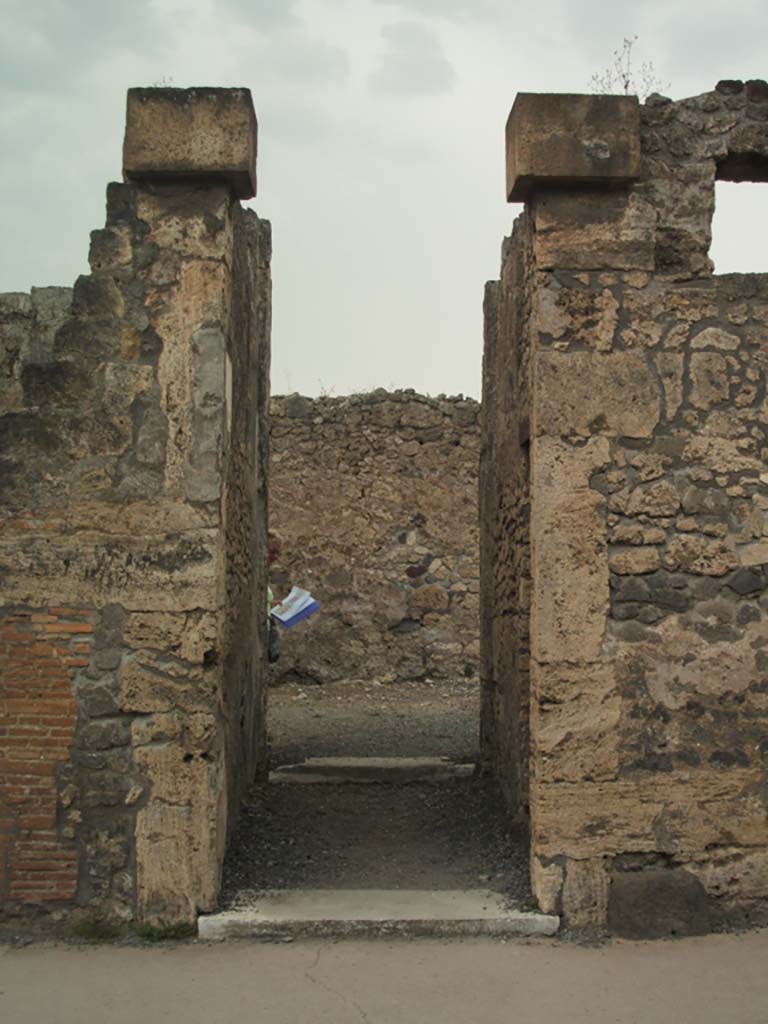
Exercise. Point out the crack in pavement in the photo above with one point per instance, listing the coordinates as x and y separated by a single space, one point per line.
335 992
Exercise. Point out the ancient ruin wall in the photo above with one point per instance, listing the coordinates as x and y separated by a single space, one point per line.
505 522
375 500
131 551
649 515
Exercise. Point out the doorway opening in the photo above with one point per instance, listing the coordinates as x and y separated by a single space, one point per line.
374 709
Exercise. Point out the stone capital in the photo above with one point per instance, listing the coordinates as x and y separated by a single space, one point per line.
200 133
569 139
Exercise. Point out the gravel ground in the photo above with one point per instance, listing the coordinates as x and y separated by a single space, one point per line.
441 835
421 835
368 719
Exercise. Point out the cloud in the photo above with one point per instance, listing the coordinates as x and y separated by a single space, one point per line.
47 44
278 48
267 14
413 64
454 10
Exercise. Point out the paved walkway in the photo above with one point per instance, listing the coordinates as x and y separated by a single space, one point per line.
715 980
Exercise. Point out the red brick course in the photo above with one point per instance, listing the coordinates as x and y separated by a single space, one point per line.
40 652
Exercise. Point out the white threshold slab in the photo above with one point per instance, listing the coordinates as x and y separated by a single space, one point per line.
355 912
370 769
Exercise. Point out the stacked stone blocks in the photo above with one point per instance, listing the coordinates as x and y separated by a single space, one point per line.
648 534
134 511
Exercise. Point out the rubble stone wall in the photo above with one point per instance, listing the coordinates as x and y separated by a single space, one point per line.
649 535
375 500
132 558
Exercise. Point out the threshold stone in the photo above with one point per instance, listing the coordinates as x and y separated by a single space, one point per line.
354 912
340 770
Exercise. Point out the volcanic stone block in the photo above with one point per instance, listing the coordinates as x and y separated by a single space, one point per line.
192 133
564 139
657 903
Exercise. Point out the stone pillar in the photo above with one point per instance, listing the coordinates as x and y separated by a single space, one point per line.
140 444
648 500
192 153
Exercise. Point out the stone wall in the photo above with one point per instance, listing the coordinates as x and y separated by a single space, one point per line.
28 325
132 555
505 522
648 513
375 500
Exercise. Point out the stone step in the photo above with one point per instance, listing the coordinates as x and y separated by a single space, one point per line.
341 770
340 913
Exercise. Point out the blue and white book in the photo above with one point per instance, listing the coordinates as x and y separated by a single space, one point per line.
299 605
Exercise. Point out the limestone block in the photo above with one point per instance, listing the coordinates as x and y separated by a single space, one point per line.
430 598
175 776
593 230
692 670
672 812
191 133
147 686
635 561
570 139
167 573
754 554
709 379
569 551
701 555
732 873
193 226
575 712
137 518
580 316
196 309
581 393
656 499
715 337
585 893
720 455
547 884
179 852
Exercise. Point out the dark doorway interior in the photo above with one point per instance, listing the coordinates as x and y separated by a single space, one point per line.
413 833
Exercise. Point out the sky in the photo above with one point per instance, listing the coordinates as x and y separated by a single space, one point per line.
381 149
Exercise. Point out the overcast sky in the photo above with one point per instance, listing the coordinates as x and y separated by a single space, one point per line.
381 159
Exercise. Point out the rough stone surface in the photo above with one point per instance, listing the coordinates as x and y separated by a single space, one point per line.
132 557
648 505
505 542
196 133
374 498
570 139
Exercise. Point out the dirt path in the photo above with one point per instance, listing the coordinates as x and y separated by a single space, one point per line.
446 835
369 719
441 835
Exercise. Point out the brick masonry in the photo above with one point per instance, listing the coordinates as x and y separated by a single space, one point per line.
41 652
133 457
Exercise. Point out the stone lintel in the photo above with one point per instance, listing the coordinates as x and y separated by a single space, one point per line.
570 139
201 133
